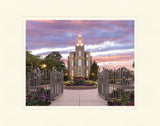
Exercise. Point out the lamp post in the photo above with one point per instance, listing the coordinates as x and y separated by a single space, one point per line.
43 66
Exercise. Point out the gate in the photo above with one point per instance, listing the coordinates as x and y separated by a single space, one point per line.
103 84
56 83
108 88
51 81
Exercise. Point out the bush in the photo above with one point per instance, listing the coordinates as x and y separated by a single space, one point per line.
91 82
79 81
114 102
115 93
127 99
41 98
67 82
66 78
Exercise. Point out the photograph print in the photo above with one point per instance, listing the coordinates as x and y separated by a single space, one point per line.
80 63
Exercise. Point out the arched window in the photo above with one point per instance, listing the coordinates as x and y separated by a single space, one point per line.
72 72
72 63
87 73
87 63
79 62
79 52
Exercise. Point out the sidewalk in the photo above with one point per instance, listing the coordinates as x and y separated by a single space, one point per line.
79 98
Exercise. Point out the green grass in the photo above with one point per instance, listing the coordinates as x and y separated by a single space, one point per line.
66 82
91 82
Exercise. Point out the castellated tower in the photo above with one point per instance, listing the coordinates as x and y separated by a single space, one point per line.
79 62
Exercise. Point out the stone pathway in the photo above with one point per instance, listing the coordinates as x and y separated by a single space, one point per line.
88 97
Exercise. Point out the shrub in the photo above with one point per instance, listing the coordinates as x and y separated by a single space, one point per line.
67 82
115 93
92 82
79 81
127 99
66 78
114 102
41 98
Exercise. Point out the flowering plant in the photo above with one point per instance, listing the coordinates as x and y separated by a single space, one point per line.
79 81
41 98
125 100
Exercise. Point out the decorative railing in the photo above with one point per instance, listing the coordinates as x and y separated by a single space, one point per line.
113 90
51 81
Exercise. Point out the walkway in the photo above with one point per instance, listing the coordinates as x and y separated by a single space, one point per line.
79 98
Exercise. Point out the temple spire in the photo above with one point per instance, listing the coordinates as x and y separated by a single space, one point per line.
79 38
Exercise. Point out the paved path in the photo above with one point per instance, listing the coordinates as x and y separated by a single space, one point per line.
88 97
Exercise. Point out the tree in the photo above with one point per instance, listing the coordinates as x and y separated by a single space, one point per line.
32 61
66 74
54 55
54 60
94 71
126 72
133 65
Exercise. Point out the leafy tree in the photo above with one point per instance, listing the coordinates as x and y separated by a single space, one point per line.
32 61
133 65
51 60
66 74
126 72
54 60
54 55
94 71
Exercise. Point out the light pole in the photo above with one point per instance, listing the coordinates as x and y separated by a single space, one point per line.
43 66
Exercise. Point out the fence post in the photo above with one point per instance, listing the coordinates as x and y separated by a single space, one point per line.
39 78
53 81
107 83
62 81
105 80
51 85
59 82
28 81
35 80
98 82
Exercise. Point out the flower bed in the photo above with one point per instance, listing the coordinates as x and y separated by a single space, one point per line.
126 99
80 82
40 99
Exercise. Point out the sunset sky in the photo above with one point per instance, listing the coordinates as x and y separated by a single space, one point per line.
109 41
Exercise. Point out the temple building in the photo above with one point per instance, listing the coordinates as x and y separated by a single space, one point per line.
79 61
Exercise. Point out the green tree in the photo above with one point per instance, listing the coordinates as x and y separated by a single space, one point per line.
66 74
133 65
54 55
54 60
94 71
32 61
51 60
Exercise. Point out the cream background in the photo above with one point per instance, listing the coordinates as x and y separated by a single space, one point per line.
12 52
